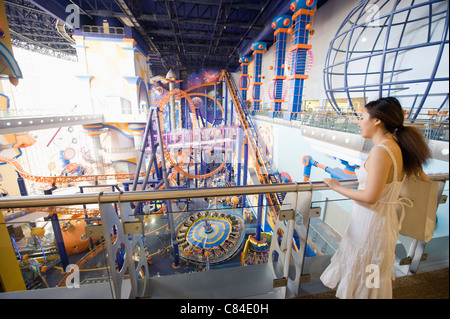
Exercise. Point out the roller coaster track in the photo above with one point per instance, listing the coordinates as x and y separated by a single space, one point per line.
59 210
167 155
64 179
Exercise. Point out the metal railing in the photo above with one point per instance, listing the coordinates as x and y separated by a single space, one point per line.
285 264
79 199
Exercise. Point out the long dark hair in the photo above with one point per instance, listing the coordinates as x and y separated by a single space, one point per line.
415 150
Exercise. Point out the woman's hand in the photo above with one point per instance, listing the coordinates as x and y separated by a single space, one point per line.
332 182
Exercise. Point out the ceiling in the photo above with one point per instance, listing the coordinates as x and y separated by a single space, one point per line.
183 35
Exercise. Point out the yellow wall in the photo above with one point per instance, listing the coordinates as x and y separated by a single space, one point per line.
10 275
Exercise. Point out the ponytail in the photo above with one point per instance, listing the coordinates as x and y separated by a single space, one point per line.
415 150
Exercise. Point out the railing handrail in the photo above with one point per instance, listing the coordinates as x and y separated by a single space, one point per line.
170 194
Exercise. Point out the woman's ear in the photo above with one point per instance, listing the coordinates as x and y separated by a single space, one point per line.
376 121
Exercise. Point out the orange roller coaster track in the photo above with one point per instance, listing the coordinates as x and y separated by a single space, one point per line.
59 210
63 179
167 155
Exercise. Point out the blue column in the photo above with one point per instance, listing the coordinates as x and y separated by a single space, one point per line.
22 186
59 240
239 157
259 217
303 13
215 104
281 24
244 81
58 235
259 48
225 120
244 182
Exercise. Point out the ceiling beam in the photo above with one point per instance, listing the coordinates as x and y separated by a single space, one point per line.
244 5
196 20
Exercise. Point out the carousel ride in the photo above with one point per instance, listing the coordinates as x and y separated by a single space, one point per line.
210 236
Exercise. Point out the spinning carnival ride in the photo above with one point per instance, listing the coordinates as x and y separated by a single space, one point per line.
210 236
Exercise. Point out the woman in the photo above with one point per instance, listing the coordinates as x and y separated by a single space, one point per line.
363 263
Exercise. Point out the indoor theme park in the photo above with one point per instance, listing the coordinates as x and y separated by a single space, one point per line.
178 149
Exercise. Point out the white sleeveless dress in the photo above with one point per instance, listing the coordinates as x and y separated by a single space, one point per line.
368 245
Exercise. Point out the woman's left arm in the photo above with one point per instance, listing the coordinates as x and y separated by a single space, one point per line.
377 168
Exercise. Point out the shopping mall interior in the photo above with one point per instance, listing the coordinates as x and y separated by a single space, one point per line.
177 149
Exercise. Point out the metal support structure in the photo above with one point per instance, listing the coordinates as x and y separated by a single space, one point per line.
173 234
215 105
153 146
259 217
225 105
148 134
120 251
22 186
58 235
245 173
244 178
205 104
148 130
239 156
288 263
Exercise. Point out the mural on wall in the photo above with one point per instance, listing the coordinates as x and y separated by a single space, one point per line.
205 101
202 77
